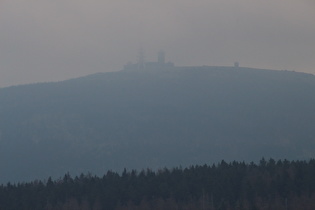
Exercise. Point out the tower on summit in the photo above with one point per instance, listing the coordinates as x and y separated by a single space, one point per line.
141 60
161 57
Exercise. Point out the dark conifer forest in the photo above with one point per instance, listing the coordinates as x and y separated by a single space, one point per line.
270 184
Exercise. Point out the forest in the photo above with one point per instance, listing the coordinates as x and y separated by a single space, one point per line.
269 184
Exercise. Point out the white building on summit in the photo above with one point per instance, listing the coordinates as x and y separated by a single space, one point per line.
142 65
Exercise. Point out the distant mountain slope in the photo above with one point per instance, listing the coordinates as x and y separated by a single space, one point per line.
188 115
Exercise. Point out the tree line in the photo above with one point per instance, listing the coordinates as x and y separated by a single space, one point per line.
268 184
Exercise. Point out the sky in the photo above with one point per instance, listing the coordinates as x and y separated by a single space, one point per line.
54 40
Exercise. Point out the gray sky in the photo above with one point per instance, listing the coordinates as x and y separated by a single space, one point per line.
52 40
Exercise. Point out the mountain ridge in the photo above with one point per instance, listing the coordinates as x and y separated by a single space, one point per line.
139 119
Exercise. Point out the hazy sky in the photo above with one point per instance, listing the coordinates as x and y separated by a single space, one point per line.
51 40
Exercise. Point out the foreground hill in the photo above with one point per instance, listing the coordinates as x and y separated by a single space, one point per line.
191 115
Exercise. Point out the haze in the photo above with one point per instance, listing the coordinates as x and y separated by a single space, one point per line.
54 40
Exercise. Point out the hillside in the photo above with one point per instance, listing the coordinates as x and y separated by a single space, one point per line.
140 119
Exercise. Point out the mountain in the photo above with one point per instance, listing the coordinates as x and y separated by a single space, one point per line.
156 118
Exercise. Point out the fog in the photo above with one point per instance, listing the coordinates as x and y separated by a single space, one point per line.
54 40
